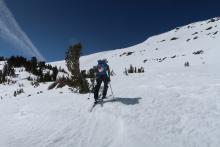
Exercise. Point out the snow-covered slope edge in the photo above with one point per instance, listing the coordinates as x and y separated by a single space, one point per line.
171 49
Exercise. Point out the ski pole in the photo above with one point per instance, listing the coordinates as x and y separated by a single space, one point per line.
89 95
93 83
112 90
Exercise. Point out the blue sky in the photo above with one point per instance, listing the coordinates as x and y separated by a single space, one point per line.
53 25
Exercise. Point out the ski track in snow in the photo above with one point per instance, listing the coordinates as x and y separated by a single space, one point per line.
112 124
157 113
99 121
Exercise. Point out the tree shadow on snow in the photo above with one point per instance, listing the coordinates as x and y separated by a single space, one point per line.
125 101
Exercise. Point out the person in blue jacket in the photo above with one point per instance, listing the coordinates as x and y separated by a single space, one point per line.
102 75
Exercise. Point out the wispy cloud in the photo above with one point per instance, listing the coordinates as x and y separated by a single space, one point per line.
12 32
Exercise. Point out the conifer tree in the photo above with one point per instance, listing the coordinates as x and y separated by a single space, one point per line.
72 61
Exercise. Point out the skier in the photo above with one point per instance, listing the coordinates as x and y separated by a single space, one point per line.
102 75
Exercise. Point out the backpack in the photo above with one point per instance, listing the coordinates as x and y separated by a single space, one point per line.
102 68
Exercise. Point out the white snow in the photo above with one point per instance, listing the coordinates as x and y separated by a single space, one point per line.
167 106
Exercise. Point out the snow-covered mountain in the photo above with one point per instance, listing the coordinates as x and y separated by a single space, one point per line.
170 49
169 105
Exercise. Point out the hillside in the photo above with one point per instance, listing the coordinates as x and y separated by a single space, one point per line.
169 105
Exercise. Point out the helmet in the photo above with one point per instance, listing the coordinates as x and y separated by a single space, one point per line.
100 61
105 60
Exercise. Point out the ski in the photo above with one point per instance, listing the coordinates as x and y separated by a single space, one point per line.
100 101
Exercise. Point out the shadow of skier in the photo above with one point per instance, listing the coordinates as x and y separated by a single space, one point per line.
125 101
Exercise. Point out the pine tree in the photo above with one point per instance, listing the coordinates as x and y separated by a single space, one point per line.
34 65
47 77
8 71
1 77
55 73
131 69
2 58
72 61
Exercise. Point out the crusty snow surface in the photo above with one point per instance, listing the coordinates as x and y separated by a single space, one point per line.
167 106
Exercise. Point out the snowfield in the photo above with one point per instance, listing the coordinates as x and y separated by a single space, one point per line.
168 105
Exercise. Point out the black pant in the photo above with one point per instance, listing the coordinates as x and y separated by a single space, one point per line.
98 84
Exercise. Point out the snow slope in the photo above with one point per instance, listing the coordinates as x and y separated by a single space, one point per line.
167 106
